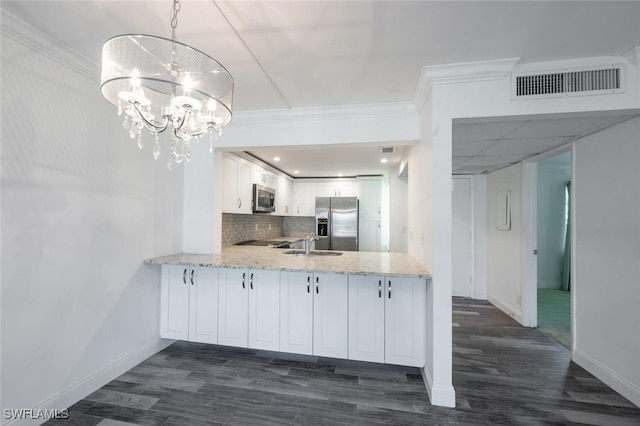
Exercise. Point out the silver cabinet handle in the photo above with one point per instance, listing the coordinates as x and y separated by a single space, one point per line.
184 276
192 271
379 288
239 202
308 283
244 274
251 281
389 289
317 286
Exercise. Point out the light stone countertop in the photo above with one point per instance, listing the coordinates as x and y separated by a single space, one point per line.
350 262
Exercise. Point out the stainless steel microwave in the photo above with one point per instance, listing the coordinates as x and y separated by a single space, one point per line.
264 199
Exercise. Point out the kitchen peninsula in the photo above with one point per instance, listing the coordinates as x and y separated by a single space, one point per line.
366 306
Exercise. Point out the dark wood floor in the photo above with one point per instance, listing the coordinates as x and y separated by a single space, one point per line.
503 374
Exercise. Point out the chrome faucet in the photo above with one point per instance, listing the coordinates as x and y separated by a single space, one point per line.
307 242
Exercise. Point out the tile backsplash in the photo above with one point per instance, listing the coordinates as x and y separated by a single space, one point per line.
299 226
241 227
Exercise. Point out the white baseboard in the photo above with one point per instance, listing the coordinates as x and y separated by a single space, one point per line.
441 396
514 313
608 376
81 389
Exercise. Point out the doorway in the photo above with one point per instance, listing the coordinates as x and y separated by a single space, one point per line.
553 186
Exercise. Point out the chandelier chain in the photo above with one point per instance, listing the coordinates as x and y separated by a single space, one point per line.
175 8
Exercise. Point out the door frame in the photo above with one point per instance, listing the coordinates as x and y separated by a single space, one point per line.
530 235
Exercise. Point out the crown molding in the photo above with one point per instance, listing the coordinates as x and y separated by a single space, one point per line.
383 111
463 72
27 35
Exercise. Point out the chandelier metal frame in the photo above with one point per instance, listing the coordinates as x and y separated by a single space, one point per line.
161 84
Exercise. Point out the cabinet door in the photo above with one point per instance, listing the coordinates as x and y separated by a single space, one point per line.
370 196
233 307
304 198
174 303
296 312
230 199
245 188
369 234
326 189
264 310
405 321
330 315
348 189
203 305
284 196
366 318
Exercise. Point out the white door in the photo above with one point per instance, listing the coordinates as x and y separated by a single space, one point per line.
233 307
366 318
203 305
264 310
461 238
330 315
296 312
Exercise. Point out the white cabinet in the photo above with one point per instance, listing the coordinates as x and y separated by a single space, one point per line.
189 297
330 316
366 318
405 321
233 307
236 175
304 198
337 189
387 320
264 310
369 215
248 308
284 197
262 177
296 312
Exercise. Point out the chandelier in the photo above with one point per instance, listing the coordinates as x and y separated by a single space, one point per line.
161 84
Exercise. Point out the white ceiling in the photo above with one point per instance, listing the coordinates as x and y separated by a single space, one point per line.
320 53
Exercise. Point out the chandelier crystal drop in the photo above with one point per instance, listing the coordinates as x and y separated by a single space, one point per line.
161 84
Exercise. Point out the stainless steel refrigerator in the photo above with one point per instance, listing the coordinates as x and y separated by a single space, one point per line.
337 220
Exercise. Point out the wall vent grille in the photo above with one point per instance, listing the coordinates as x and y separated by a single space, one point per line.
607 80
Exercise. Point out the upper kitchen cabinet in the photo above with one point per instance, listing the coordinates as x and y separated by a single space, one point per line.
236 175
337 189
304 198
262 177
284 197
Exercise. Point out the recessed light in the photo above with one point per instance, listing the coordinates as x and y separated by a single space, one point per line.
296 171
276 158
384 160
339 174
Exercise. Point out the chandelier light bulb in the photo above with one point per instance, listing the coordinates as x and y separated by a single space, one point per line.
135 78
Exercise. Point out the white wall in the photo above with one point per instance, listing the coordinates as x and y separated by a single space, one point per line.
398 220
606 252
82 208
504 248
553 174
480 236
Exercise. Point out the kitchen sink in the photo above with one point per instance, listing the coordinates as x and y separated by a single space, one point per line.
313 253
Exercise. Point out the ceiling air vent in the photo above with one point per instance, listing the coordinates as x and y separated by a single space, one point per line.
570 82
387 149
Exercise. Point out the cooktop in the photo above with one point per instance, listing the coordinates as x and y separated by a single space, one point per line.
262 243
